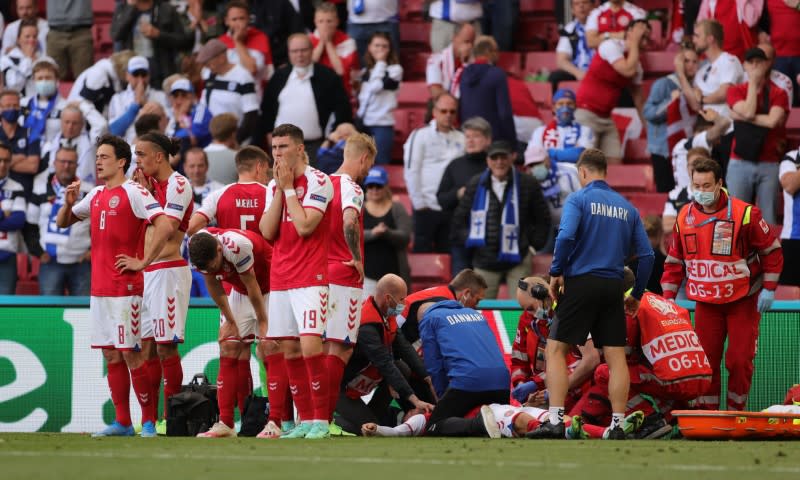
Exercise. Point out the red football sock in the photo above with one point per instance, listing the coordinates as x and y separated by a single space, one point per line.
173 379
335 367
594 431
277 386
298 383
140 379
288 409
153 366
119 382
532 425
318 378
227 380
244 387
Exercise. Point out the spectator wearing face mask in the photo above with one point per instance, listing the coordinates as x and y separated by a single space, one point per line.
563 138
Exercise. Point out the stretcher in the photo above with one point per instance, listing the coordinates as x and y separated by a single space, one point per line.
727 425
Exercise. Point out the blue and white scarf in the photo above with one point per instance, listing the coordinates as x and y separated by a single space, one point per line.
509 240
583 56
37 118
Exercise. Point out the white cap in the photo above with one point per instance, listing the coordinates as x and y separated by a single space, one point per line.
535 154
138 63
181 84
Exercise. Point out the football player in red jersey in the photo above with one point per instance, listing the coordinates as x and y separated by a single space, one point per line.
118 212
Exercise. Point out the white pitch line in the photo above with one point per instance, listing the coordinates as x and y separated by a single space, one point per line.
404 461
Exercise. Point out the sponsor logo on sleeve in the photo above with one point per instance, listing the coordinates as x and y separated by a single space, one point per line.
243 261
175 206
153 206
318 198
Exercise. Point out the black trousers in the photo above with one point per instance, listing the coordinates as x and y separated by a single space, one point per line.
431 231
447 419
352 413
662 171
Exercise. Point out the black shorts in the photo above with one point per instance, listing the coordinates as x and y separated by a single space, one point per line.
593 305
791 257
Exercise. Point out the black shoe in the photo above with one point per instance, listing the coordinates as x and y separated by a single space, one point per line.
616 433
654 426
547 430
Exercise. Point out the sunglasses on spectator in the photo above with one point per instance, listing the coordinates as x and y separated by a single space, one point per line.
140 73
446 111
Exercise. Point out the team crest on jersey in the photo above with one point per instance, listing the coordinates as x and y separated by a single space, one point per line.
623 21
662 306
113 202
22 143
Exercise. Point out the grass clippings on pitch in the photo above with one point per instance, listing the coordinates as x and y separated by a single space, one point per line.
68 456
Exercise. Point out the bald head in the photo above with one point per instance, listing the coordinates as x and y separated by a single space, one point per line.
393 285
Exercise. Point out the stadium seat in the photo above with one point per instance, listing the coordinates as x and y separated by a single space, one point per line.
511 62
631 178
428 269
528 7
404 200
542 93
410 9
103 7
636 151
27 275
414 94
793 128
405 121
396 181
502 292
415 36
572 85
656 34
648 203
787 292
414 65
540 264
536 61
658 64
64 88
536 33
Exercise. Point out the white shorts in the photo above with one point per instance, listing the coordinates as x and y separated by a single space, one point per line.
244 315
116 322
166 302
344 316
298 312
505 415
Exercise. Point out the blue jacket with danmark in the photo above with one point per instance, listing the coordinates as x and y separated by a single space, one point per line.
460 350
599 231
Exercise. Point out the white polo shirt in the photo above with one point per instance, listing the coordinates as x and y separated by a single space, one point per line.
296 105
232 92
121 101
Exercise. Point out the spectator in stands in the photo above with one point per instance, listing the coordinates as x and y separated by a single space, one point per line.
28 12
154 30
442 66
426 154
196 167
378 95
366 17
305 94
500 21
332 47
72 135
681 195
563 138
739 19
247 45
125 105
610 21
477 138
189 120
615 67
281 18
69 41
98 83
222 150
502 218
12 220
573 53
17 63
652 225
790 234
484 91
557 180
331 153
63 252
446 16
784 18
778 79
229 88
25 163
759 111
387 231
664 91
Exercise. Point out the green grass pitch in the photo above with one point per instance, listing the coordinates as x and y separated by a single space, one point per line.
69 456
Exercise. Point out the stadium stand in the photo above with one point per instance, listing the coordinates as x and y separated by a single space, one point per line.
428 269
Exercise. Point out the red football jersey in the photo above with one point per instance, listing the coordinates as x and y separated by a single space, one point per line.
346 194
600 89
302 262
238 205
119 216
176 197
240 248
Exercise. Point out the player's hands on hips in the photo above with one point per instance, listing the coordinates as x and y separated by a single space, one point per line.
556 287
71 194
631 305
369 429
765 299
358 265
131 264
523 390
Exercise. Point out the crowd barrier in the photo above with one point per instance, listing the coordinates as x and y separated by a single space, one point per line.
51 381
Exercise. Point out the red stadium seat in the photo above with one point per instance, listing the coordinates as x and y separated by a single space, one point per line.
793 128
27 275
540 264
414 65
542 93
396 181
428 269
416 35
404 200
410 9
64 88
658 64
631 178
413 94
502 292
636 151
536 61
648 203
405 121
103 7
572 85
528 7
536 33
511 62
787 292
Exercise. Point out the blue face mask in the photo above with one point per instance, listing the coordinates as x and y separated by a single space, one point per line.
565 116
705 199
10 116
540 172
397 310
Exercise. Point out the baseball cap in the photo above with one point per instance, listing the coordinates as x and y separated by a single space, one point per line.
376 176
181 85
211 49
500 146
753 53
138 63
535 154
563 93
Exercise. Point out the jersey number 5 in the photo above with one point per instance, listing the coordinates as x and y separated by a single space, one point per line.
243 219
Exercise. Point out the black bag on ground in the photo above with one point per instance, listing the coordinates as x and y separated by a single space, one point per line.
194 410
255 417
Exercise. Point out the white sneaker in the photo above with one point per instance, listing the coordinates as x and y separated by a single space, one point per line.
271 430
490 422
218 430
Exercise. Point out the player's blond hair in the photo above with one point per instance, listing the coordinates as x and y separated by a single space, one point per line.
360 143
